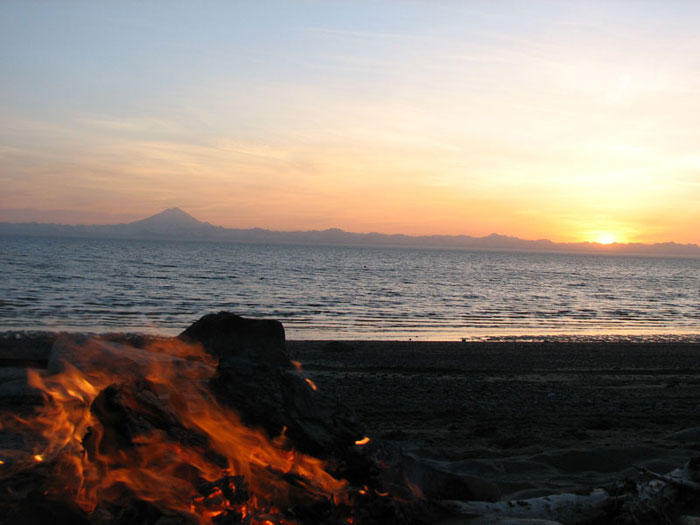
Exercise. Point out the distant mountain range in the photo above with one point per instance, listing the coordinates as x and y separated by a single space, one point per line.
175 224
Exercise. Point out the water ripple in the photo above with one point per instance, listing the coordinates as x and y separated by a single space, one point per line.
343 292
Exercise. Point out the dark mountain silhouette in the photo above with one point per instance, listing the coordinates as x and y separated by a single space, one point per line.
172 217
175 224
170 223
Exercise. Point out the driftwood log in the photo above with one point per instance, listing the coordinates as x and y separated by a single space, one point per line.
666 498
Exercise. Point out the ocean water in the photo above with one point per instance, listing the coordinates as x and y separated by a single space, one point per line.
332 292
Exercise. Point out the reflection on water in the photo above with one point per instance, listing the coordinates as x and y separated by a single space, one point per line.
342 292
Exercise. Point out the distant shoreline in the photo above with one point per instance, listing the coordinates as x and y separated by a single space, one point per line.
174 224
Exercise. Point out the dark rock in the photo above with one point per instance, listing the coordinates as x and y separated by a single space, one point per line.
337 347
228 335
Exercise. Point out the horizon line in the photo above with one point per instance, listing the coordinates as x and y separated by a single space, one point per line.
175 209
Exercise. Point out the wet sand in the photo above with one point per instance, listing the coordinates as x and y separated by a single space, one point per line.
532 417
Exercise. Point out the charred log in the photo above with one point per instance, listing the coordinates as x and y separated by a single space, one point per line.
129 411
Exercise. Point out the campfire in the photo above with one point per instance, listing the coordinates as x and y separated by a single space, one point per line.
183 430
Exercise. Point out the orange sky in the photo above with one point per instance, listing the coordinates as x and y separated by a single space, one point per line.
533 119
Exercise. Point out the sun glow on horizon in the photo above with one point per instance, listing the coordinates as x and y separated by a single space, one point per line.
605 238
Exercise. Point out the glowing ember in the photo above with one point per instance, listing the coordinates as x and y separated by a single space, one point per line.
362 441
311 384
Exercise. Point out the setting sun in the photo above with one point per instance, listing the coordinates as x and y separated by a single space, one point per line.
605 238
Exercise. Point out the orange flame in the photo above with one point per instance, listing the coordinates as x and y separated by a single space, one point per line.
246 472
362 441
311 384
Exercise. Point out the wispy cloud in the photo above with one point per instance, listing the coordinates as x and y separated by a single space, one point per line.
540 119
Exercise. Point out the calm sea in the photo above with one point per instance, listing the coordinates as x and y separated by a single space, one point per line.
324 292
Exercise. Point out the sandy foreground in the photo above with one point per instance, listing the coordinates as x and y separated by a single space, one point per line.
535 418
